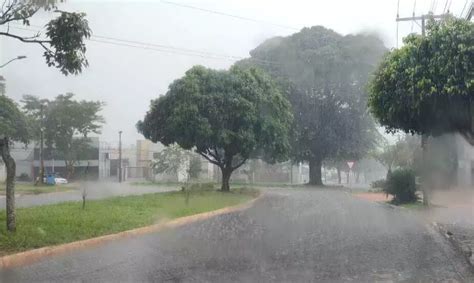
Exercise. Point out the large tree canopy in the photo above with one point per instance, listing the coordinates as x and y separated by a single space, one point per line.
427 86
324 75
227 116
63 46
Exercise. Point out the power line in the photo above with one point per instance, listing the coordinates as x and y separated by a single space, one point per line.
413 22
161 48
445 6
464 8
398 15
228 15
449 5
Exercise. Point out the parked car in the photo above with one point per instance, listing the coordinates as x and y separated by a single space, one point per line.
53 179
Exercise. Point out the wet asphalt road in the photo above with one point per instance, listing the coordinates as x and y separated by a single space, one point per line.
288 236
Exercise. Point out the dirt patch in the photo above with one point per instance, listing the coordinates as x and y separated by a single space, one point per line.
378 197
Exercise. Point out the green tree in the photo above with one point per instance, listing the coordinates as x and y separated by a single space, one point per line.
13 127
63 46
195 167
67 123
227 116
2 86
324 75
427 86
170 160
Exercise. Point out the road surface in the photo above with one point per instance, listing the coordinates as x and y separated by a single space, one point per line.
95 190
288 236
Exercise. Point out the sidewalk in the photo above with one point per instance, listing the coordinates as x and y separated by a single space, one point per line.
453 211
95 190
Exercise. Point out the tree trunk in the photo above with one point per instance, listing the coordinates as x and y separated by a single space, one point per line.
424 180
315 172
347 176
339 179
226 172
10 184
69 169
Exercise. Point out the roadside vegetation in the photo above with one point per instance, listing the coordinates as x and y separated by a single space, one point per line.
31 189
67 222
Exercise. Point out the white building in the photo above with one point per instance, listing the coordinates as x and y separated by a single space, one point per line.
465 158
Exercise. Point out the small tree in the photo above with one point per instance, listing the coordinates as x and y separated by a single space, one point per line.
227 116
170 160
67 123
427 86
195 166
13 127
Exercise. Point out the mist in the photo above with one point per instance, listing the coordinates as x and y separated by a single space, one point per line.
127 78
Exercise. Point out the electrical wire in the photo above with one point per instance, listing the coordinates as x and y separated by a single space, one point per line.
464 8
449 5
398 15
228 15
445 5
161 48
413 14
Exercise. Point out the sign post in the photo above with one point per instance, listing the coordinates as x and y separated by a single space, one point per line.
350 164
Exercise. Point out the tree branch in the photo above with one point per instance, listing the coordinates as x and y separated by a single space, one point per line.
24 39
209 159
9 17
239 164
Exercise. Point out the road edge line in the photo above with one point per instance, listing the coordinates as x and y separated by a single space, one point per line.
30 256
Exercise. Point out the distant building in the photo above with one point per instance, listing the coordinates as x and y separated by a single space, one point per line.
465 159
93 164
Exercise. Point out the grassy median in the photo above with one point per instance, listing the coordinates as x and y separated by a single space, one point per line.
31 189
67 222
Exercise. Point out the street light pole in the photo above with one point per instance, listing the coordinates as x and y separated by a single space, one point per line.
17 58
120 157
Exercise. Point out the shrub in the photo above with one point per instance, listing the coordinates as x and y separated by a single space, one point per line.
24 177
379 184
401 184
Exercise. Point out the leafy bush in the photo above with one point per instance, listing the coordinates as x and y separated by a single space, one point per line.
401 184
378 184
24 177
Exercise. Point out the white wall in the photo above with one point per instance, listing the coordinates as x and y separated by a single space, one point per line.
465 153
3 173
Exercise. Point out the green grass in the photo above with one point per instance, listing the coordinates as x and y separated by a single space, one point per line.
232 184
156 183
413 205
31 189
67 222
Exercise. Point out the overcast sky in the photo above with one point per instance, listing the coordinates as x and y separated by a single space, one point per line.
126 78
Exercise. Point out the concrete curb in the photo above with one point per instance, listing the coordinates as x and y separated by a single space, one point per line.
31 256
465 250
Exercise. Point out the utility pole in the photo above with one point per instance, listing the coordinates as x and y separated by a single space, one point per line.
41 149
120 157
424 137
